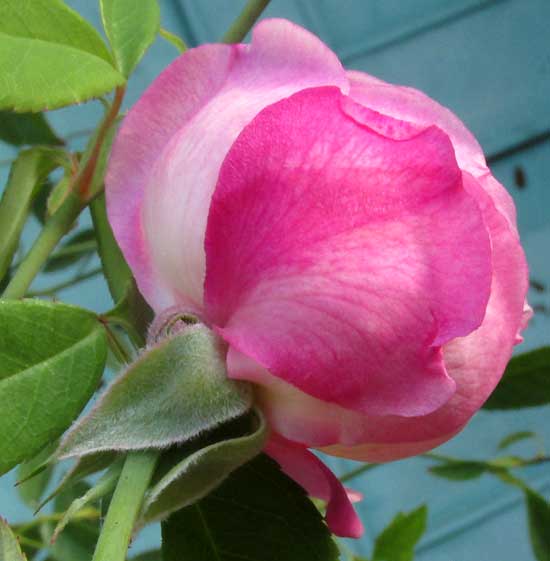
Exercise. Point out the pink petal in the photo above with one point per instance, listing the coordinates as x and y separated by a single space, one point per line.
417 108
167 155
340 259
475 362
409 104
309 472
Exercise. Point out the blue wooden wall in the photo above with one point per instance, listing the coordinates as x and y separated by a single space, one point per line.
489 61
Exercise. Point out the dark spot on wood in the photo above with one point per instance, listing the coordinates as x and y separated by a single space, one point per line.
537 285
519 177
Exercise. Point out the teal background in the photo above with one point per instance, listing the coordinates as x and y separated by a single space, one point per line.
489 61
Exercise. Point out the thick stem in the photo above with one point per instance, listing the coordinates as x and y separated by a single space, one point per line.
244 22
56 227
125 506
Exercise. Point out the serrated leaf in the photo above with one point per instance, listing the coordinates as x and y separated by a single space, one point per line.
460 470
131 28
52 21
9 546
21 129
183 377
515 437
398 540
526 382
79 246
36 75
27 172
106 483
538 515
184 476
53 357
258 514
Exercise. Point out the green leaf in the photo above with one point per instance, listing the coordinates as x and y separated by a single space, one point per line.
29 169
32 489
50 57
58 193
515 437
88 465
9 546
77 542
185 476
460 470
116 269
538 515
398 540
26 128
131 28
257 514
104 486
51 21
79 246
52 357
183 377
526 382
48 75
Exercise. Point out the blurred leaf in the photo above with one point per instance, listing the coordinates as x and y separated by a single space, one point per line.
53 356
27 172
32 489
79 246
9 546
538 515
398 540
257 514
183 377
515 437
183 478
77 542
57 194
459 470
19 129
83 467
526 382
104 486
50 57
131 28
116 269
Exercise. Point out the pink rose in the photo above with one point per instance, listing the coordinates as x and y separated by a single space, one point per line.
342 235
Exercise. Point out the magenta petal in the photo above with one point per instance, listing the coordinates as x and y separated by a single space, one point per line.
167 155
332 248
317 479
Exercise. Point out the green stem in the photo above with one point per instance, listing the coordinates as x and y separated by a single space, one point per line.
125 506
244 22
55 228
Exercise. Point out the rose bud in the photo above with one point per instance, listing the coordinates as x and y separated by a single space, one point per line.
342 235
